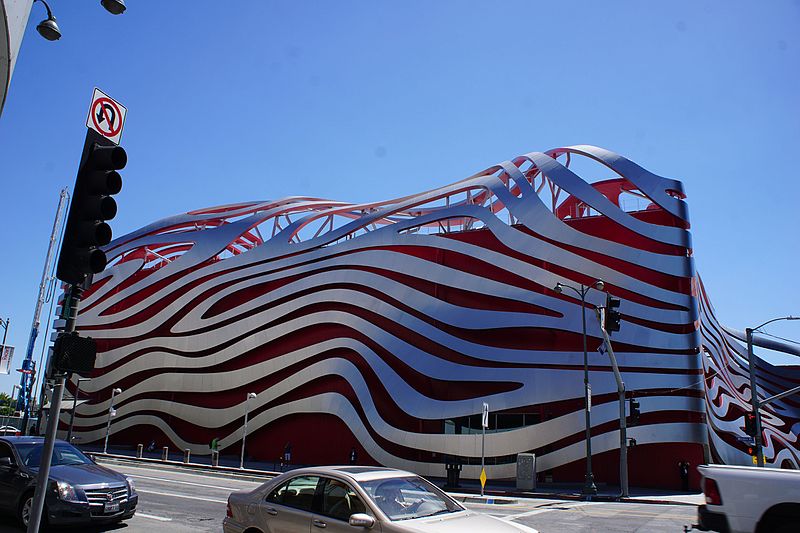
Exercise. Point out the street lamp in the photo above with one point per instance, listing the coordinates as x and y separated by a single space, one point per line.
48 28
753 390
244 431
111 412
589 488
115 7
75 406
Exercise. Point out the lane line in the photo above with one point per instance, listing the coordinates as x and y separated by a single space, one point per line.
154 517
137 476
176 495
562 507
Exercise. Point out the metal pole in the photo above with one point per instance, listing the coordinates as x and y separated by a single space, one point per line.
108 424
483 452
589 488
754 397
70 313
74 406
623 427
244 431
5 329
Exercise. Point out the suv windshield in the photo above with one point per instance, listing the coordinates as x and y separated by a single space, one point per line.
63 454
404 498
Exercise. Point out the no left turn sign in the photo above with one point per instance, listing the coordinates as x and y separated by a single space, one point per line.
106 116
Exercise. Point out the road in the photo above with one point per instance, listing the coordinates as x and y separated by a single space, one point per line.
174 500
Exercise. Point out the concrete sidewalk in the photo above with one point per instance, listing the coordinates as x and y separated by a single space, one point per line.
498 493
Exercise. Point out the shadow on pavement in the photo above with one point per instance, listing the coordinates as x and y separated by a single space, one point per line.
9 525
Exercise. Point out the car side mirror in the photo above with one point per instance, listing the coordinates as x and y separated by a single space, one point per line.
362 520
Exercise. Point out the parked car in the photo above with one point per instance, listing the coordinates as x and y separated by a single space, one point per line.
343 498
745 499
79 491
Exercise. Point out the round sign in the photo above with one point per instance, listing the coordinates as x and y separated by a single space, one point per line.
106 116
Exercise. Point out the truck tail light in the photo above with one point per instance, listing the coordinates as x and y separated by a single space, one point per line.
712 492
228 511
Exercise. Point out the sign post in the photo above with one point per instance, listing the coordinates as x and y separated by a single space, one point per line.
80 254
484 425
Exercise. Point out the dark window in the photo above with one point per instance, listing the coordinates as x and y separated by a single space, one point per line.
339 500
297 492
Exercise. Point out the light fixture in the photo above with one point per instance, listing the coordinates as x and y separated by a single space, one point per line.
48 28
599 285
115 7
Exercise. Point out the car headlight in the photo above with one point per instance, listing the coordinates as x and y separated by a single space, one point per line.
67 492
131 485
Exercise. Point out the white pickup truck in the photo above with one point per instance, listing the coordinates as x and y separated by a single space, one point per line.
748 499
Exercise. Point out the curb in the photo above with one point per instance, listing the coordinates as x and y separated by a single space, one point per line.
245 474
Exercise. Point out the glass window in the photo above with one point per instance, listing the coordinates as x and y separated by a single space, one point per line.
340 500
405 498
297 492
63 454
5 451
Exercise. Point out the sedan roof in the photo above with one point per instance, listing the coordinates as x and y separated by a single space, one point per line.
357 473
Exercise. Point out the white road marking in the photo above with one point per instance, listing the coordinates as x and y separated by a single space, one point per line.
176 495
561 507
153 517
137 476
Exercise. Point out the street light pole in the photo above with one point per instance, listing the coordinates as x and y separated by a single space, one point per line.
754 401
589 488
5 324
244 430
111 413
75 406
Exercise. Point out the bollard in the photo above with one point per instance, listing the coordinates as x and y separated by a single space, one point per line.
139 451
165 453
187 454
214 458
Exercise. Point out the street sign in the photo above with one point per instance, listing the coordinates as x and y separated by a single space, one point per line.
746 439
483 478
485 417
106 116
6 354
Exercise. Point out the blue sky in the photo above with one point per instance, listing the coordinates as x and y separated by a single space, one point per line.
362 101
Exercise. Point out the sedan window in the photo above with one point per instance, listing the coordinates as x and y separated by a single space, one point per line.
406 498
63 454
297 492
339 500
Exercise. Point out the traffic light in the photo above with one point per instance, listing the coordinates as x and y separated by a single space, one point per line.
750 424
91 206
635 412
72 353
612 315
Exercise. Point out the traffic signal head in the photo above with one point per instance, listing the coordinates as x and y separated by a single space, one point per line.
72 353
91 206
750 424
613 316
635 412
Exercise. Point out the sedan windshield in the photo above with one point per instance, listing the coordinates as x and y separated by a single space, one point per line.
63 454
404 498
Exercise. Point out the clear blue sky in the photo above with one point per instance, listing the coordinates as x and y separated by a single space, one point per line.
367 100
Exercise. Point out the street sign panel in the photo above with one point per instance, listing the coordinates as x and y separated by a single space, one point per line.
485 417
106 116
6 354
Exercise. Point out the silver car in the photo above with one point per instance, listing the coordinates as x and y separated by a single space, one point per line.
354 498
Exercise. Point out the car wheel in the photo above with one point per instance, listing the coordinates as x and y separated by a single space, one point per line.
26 510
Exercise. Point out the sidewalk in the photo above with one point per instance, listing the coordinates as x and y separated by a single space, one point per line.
497 493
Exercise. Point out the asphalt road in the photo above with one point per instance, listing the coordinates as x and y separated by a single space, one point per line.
173 500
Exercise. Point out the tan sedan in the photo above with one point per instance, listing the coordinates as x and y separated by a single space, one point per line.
354 498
